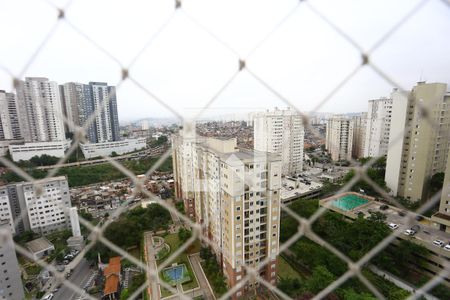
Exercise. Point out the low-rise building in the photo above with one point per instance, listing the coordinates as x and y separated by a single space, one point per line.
108 148
42 206
112 276
40 247
27 150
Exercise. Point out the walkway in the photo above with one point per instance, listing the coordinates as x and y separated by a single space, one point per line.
150 254
201 278
399 282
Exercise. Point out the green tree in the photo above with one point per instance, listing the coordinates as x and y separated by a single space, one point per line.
290 286
351 294
319 280
184 234
377 216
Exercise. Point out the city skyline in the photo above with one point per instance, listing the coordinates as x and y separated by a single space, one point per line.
200 72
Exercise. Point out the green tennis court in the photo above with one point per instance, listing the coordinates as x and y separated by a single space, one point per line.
349 202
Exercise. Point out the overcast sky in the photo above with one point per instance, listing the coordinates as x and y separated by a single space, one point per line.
184 66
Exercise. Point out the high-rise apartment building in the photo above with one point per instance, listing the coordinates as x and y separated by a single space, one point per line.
418 139
378 126
9 119
359 134
11 286
281 132
42 213
442 217
40 111
235 193
82 100
339 137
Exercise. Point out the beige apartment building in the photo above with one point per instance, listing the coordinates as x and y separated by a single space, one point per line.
339 137
418 140
442 217
235 194
359 134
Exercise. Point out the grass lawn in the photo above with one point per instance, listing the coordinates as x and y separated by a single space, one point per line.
174 242
286 271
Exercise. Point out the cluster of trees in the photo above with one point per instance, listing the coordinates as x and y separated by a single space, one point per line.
352 238
375 172
85 175
184 234
320 266
159 141
211 268
127 231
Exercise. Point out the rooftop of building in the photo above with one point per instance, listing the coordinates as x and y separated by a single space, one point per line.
39 245
112 276
36 182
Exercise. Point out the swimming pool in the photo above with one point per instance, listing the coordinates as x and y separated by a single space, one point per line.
349 202
176 274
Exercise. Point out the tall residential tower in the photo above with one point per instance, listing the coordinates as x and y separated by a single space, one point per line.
378 126
281 132
235 194
339 137
419 139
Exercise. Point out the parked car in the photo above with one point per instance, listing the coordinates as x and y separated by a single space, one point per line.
402 213
384 207
447 247
48 297
438 243
409 232
393 226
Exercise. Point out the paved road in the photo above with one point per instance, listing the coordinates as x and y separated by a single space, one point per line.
202 281
80 276
150 256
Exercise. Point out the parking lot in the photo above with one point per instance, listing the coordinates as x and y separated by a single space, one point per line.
294 188
426 234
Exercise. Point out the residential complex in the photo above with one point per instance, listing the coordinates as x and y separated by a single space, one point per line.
24 209
40 110
11 286
359 134
32 123
235 194
9 119
281 132
82 100
418 139
378 126
442 217
339 137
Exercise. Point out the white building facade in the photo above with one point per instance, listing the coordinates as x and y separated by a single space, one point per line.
281 132
379 116
9 119
26 151
11 286
339 138
107 148
40 110
25 209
